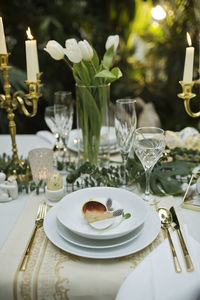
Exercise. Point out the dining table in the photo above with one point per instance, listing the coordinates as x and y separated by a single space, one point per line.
54 273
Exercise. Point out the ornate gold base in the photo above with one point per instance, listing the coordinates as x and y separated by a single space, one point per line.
24 175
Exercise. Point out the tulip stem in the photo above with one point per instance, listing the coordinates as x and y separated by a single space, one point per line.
68 64
93 66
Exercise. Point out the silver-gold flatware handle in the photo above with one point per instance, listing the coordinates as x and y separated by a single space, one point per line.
27 251
187 258
41 213
175 258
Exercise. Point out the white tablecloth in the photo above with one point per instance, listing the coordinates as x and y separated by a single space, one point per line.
10 211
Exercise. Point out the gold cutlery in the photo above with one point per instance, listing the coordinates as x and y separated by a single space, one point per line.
166 220
41 213
187 258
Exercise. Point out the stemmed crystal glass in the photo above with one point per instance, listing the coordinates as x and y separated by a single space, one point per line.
125 124
63 112
63 120
50 121
149 144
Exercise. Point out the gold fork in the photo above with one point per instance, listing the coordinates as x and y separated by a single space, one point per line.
41 213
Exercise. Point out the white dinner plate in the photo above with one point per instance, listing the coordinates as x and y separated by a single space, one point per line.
70 215
75 136
78 240
148 234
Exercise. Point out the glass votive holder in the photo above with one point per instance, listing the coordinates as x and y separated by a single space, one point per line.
41 163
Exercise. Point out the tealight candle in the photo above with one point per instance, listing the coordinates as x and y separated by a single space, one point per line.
31 58
189 61
3 48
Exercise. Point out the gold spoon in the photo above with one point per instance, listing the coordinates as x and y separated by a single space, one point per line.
166 220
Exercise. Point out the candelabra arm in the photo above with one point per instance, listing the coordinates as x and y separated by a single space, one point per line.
22 102
189 111
30 99
187 95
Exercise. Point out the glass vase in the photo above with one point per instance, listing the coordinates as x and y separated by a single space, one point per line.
93 124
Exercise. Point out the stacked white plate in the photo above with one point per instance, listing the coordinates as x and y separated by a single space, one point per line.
108 140
66 227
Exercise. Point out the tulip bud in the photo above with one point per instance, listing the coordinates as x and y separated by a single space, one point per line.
55 50
86 50
112 40
73 51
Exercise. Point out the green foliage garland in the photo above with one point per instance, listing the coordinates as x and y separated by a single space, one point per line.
167 176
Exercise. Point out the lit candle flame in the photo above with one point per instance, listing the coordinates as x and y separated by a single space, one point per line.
189 39
29 35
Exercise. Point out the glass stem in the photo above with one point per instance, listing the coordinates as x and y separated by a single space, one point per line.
124 159
148 175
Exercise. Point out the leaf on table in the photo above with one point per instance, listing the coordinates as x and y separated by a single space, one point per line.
164 177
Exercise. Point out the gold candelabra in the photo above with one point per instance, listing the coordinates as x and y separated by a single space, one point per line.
10 102
187 95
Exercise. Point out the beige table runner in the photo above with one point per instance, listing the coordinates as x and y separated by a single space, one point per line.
54 274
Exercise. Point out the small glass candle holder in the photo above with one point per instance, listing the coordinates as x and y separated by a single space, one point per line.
41 163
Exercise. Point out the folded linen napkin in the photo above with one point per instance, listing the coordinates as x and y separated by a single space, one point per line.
47 135
155 277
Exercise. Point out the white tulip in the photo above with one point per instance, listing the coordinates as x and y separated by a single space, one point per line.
86 50
73 51
55 50
112 40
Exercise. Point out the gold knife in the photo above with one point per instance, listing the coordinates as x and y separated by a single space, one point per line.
187 258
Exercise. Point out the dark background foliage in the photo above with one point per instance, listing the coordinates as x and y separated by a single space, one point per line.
154 75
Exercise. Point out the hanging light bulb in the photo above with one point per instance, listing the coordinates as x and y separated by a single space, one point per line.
158 13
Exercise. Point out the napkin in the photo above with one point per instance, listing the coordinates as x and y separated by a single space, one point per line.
155 277
47 135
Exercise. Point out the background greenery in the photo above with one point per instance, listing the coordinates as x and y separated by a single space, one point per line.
151 54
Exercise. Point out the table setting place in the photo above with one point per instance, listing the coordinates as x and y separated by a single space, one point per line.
127 249
92 210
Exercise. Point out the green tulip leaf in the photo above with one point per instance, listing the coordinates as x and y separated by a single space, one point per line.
105 74
95 59
81 71
108 57
117 72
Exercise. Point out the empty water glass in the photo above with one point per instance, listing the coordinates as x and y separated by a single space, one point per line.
125 124
149 144
63 113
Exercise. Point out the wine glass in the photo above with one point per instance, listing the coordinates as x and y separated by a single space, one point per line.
149 144
63 111
50 121
63 120
125 124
